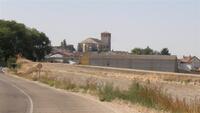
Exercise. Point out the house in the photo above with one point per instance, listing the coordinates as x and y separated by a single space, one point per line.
92 44
188 64
62 56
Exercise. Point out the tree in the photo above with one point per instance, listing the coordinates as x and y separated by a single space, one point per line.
165 51
156 53
148 51
137 51
1 53
64 44
16 38
1 58
140 51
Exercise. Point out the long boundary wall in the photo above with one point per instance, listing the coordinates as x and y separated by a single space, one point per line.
143 62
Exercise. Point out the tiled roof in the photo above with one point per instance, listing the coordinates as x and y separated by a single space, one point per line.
187 59
65 53
92 40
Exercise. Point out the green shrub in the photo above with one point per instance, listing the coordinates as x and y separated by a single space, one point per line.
46 80
107 93
11 63
68 85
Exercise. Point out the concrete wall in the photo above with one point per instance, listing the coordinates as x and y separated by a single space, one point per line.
143 62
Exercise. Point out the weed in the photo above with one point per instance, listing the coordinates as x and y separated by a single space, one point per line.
107 93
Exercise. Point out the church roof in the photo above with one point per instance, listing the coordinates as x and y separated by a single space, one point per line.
92 40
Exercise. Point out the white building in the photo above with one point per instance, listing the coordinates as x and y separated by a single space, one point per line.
189 63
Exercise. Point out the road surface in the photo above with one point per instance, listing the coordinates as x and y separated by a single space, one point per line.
22 96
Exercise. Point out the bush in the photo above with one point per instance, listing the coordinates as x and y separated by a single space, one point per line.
107 93
11 63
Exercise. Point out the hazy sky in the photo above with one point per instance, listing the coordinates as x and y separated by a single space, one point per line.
133 23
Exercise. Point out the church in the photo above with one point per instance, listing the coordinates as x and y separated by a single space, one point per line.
95 45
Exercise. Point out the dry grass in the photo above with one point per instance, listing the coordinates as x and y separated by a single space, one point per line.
152 97
110 73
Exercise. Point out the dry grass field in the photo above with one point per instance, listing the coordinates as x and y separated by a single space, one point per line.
176 93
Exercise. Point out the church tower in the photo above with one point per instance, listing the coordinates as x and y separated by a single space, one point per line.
106 38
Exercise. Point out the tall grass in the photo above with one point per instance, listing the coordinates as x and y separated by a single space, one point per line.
152 97
62 84
145 95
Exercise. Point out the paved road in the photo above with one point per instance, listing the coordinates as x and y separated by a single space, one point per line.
22 96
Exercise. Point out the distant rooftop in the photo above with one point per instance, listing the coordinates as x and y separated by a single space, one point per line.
187 59
92 40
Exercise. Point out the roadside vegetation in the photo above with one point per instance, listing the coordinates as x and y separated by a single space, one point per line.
145 95
18 39
152 97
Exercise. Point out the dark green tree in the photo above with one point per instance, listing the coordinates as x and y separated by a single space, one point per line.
137 51
148 51
165 51
1 58
16 38
140 51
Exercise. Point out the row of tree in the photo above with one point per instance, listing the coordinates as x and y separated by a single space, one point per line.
16 38
149 51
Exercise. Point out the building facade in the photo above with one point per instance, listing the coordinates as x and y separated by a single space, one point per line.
106 39
93 44
188 64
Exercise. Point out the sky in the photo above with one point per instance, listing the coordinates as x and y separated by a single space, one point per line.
174 24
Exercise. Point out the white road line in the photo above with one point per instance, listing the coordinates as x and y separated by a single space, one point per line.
22 91
65 92
29 98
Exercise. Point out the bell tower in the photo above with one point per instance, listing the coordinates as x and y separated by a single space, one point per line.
106 38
